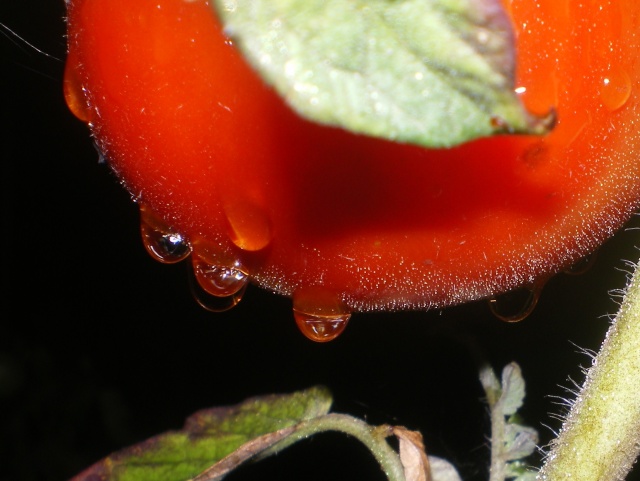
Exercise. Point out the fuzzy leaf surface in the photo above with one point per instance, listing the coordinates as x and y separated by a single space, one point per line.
435 73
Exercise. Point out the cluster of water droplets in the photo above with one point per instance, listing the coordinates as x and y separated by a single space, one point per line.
217 286
219 283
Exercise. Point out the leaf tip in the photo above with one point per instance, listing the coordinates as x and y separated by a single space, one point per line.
530 124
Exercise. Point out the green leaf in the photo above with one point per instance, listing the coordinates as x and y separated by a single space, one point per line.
520 471
528 476
520 441
208 436
490 384
431 72
512 389
510 440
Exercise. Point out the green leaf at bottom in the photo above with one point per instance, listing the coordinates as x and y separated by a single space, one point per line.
207 437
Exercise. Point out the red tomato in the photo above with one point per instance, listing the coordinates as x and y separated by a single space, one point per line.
343 222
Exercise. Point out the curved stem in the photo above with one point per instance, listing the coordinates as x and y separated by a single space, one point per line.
374 438
600 438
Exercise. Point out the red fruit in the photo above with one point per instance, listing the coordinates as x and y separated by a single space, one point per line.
344 222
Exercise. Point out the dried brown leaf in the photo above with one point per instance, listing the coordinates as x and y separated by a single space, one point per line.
412 455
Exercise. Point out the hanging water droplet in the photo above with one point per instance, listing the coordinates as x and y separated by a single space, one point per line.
73 92
211 302
219 280
516 305
161 242
616 88
250 226
319 313
321 328
582 266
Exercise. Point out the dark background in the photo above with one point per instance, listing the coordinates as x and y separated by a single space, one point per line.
101 347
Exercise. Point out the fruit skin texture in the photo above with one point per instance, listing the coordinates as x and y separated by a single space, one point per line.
198 138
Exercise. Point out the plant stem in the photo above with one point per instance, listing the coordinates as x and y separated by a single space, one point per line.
373 437
497 469
493 391
600 438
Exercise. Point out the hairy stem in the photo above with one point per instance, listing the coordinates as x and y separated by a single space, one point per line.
497 469
374 438
600 438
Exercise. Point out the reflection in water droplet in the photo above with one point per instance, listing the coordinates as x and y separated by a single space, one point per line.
319 314
616 88
250 225
582 266
161 242
516 305
73 92
321 329
219 280
213 303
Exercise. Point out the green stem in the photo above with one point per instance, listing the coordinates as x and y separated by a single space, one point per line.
600 438
373 437
497 469
493 391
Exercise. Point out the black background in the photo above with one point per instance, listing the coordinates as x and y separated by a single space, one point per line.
101 347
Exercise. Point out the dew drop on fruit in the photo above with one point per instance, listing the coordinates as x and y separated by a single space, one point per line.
321 328
210 302
73 92
162 243
250 226
516 305
616 88
219 280
320 314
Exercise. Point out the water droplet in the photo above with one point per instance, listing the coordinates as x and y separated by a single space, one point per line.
616 88
319 313
582 266
321 328
516 305
219 280
250 225
213 303
162 243
73 92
